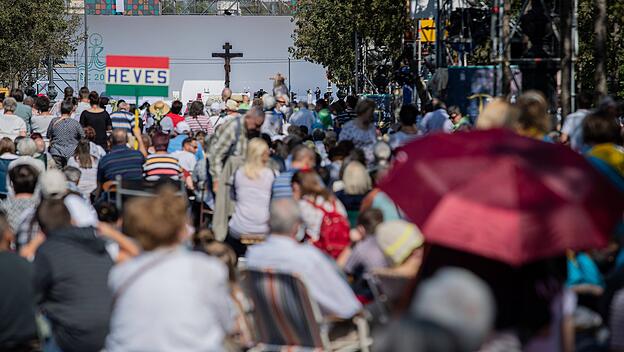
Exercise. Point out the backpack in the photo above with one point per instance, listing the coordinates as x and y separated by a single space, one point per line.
334 233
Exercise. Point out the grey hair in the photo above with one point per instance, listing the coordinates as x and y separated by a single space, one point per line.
285 214
26 147
255 111
120 136
10 104
459 301
268 102
72 174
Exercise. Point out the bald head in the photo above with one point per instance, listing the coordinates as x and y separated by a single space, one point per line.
226 94
285 217
120 136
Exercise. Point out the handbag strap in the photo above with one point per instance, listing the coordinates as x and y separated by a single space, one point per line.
137 274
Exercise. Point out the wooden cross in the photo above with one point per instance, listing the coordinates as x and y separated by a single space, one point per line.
227 56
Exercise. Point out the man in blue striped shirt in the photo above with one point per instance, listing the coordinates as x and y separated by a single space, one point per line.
304 158
122 118
120 161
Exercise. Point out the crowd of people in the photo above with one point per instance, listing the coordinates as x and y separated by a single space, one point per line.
265 184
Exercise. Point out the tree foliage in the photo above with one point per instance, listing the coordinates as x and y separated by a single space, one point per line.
615 46
325 30
30 31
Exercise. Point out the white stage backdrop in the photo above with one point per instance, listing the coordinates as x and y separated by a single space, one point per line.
189 42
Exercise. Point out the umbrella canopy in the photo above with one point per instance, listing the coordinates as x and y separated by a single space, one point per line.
503 196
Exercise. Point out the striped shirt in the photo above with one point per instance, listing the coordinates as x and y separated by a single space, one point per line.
122 119
200 123
121 161
282 186
159 166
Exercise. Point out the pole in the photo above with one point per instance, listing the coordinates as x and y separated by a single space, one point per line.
86 48
506 48
357 62
51 89
440 54
289 91
574 54
566 58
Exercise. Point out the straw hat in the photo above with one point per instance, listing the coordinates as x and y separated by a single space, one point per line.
231 105
159 108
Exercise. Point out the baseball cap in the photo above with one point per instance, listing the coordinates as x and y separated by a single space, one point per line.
182 127
52 184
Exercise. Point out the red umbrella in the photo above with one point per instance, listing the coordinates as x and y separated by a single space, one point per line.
503 196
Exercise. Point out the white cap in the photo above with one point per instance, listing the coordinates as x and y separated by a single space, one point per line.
182 127
52 184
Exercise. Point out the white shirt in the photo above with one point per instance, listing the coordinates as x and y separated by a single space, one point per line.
82 106
180 304
303 117
186 159
436 121
11 126
320 275
573 127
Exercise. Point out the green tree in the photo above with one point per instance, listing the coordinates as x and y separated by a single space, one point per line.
325 31
614 47
31 31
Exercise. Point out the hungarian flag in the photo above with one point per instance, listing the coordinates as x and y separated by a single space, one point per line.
139 76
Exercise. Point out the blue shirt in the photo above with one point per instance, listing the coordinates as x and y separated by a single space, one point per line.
282 186
175 145
120 161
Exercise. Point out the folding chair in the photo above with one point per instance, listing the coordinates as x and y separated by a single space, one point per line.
125 189
286 318
387 290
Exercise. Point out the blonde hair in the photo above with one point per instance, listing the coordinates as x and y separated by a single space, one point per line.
356 179
534 120
498 114
253 161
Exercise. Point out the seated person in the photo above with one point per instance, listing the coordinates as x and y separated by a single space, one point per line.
283 252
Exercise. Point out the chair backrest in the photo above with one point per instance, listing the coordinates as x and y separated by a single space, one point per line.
284 314
387 292
125 189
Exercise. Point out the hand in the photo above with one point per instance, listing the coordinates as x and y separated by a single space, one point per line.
215 186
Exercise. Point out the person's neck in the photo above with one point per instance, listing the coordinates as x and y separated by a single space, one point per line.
409 129
23 195
44 113
64 116
84 100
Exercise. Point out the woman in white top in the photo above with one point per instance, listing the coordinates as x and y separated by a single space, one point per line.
168 298
41 120
252 187
87 163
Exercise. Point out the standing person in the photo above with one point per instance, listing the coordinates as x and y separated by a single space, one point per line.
226 94
68 93
161 164
437 120
572 130
18 330
149 313
83 104
11 125
41 120
408 130
215 115
361 131
282 251
252 189
97 118
197 120
95 149
460 122
22 110
349 113
64 134
42 151
324 216
229 145
71 272
303 117
173 117
274 118
122 118
88 166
